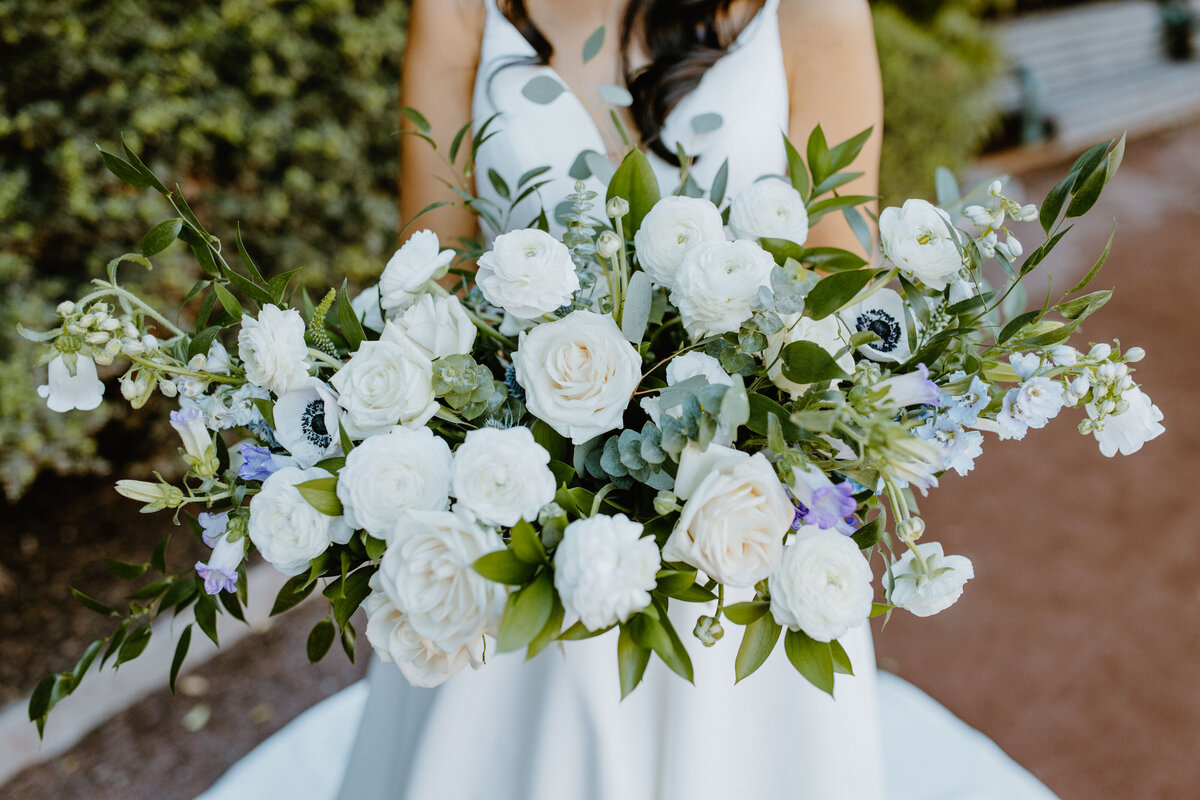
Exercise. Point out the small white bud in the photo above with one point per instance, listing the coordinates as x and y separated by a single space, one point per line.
1107 372
617 207
1080 386
1063 355
1100 352
113 348
1086 426
96 337
910 530
167 387
608 244
130 330
996 188
1026 213
132 347
1108 407
1134 355
110 324
1014 246
1122 406
65 308
87 320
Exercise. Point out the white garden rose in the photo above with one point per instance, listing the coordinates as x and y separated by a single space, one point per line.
502 475
405 469
418 261
717 285
1127 431
527 273
427 572
273 350
604 569
437 326
286 528
736 515
578 374
919 239
421 662
385 384
670 229
929 588
830 333
769 209
823 584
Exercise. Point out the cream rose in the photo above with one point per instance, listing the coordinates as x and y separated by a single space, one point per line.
823 584
402 470
527 273
502 475
604 569
272 349
717 285
384 384
285 527
437 326
418 261
919 239
830 333
578 374
421 662
769 209
736 515
670 229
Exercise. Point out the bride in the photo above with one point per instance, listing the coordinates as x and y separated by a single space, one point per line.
555 727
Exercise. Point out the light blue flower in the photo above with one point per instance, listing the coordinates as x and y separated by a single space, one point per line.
213 526
258 463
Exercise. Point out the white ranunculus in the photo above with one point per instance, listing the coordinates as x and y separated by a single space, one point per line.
402 470
502 475
830 333
769 209
418 261
285 527
385 384
882 313
527 273
823 584
272 349
578 374
1128 431
670 229
736 515
922 592
421 662
604 569
65 392
306 422
919 239
717 285
437 326
427 572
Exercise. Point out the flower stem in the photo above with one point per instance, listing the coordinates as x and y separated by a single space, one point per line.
110 290
325 357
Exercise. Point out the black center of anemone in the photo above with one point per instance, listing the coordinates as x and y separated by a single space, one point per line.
883 325
312 422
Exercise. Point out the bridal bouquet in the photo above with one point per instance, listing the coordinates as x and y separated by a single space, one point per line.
674 406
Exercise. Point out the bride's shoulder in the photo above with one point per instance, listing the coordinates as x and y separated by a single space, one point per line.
811 19
456 19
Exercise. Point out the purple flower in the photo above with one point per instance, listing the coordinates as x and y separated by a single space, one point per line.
257 463
831 505
212 526
220 574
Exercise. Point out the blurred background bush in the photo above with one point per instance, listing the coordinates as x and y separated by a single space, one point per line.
281 114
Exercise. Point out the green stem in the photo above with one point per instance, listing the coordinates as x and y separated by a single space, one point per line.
109 290
329 360
187 373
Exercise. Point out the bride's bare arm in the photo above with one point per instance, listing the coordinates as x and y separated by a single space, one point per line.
437 80
833 75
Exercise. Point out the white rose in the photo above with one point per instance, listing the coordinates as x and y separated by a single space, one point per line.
736 515
306 422
1128 431
402 470
823 584
578 374
922 592
604 569
437 326
670 229
769 209
427 572
418 261
918 239
830 333
285 527
421 662
272 349
717 285
502 475
527 273
384 384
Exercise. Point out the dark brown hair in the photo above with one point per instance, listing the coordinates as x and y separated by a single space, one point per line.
682 39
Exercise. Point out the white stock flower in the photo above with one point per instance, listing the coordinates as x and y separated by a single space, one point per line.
418 261
527 273
922 592
402 470
717 285
272 349
769 209
1126 432
883 314
670 229
604 569
578 374
830 333
428 574
421 662
437 326
285 527
306 422
502 475
823 584
736 515
384 384
918 238
65 392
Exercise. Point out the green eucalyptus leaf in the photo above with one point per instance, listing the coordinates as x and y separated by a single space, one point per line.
542 90
593 44
707 123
